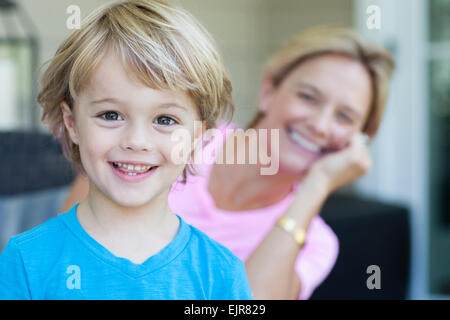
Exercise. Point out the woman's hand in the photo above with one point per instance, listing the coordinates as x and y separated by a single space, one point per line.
342 167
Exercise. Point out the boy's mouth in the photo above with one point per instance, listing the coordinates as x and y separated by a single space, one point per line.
132 169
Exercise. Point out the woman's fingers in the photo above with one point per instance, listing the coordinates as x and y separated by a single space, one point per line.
344 166
360 157
366 139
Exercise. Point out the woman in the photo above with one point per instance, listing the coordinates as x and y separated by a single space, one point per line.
322 92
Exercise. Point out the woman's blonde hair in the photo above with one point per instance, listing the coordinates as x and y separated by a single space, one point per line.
163 46
324 40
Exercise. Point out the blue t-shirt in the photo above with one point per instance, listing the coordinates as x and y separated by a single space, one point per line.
60 260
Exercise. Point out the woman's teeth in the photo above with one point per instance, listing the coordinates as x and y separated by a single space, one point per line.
131 169
303 142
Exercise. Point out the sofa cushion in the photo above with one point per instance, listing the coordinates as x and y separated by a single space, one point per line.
19 213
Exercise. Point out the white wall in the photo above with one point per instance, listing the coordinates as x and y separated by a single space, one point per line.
400 171
49 18
249 31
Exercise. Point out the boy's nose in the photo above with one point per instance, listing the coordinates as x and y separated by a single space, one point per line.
137 139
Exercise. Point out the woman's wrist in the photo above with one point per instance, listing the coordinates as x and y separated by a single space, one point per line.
315 186
311 195
318 182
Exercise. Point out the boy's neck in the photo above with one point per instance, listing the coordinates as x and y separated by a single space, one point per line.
104 217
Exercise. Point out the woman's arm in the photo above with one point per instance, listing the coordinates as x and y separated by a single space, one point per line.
270 268
78 191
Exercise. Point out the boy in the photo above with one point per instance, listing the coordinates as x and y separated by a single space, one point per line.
115 92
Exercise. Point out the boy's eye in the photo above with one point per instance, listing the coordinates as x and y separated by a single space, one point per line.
165 121
111 116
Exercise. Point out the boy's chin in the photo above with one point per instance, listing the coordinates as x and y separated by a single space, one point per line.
131 201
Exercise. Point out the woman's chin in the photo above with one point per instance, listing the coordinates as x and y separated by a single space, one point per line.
296 166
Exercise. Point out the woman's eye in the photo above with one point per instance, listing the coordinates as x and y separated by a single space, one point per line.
306 96
165 121
345 118
111 116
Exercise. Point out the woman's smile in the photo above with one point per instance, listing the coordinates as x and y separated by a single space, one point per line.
303 144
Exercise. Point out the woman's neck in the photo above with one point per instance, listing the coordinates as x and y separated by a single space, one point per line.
237 187
234 188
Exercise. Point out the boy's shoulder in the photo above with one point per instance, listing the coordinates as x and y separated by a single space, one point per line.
41 236
223 270
214 250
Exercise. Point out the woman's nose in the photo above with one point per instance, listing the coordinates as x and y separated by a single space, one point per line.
137 138
320 123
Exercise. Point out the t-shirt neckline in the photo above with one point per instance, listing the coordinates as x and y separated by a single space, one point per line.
158 260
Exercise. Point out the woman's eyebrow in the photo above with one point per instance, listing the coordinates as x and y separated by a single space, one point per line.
318 92
352 111
310 87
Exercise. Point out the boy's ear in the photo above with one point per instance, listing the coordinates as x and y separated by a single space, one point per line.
69 121
265 94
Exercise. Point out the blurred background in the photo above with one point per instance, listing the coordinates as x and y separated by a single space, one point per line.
407 189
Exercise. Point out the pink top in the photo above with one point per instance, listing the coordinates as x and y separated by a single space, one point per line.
243 231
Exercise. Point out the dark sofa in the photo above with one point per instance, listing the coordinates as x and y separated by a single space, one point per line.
370 233
34 180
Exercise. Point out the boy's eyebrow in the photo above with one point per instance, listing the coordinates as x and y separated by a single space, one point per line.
106 100
115 101
168 105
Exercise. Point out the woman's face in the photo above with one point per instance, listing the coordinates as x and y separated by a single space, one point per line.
317 107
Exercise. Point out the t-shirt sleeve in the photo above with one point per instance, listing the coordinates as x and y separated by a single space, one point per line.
317 258
241 287
237 286
13 280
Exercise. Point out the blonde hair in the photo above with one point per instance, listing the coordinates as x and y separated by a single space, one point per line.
324 40
163 46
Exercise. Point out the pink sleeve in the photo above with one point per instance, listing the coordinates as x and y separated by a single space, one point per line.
317 258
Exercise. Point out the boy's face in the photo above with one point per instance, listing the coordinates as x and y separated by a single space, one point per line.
122 128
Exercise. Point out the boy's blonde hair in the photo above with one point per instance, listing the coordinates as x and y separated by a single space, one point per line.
163 46
324 40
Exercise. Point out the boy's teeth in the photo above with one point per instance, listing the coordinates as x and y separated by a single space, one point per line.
303 142
130 167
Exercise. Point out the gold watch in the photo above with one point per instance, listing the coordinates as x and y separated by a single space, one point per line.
290 225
